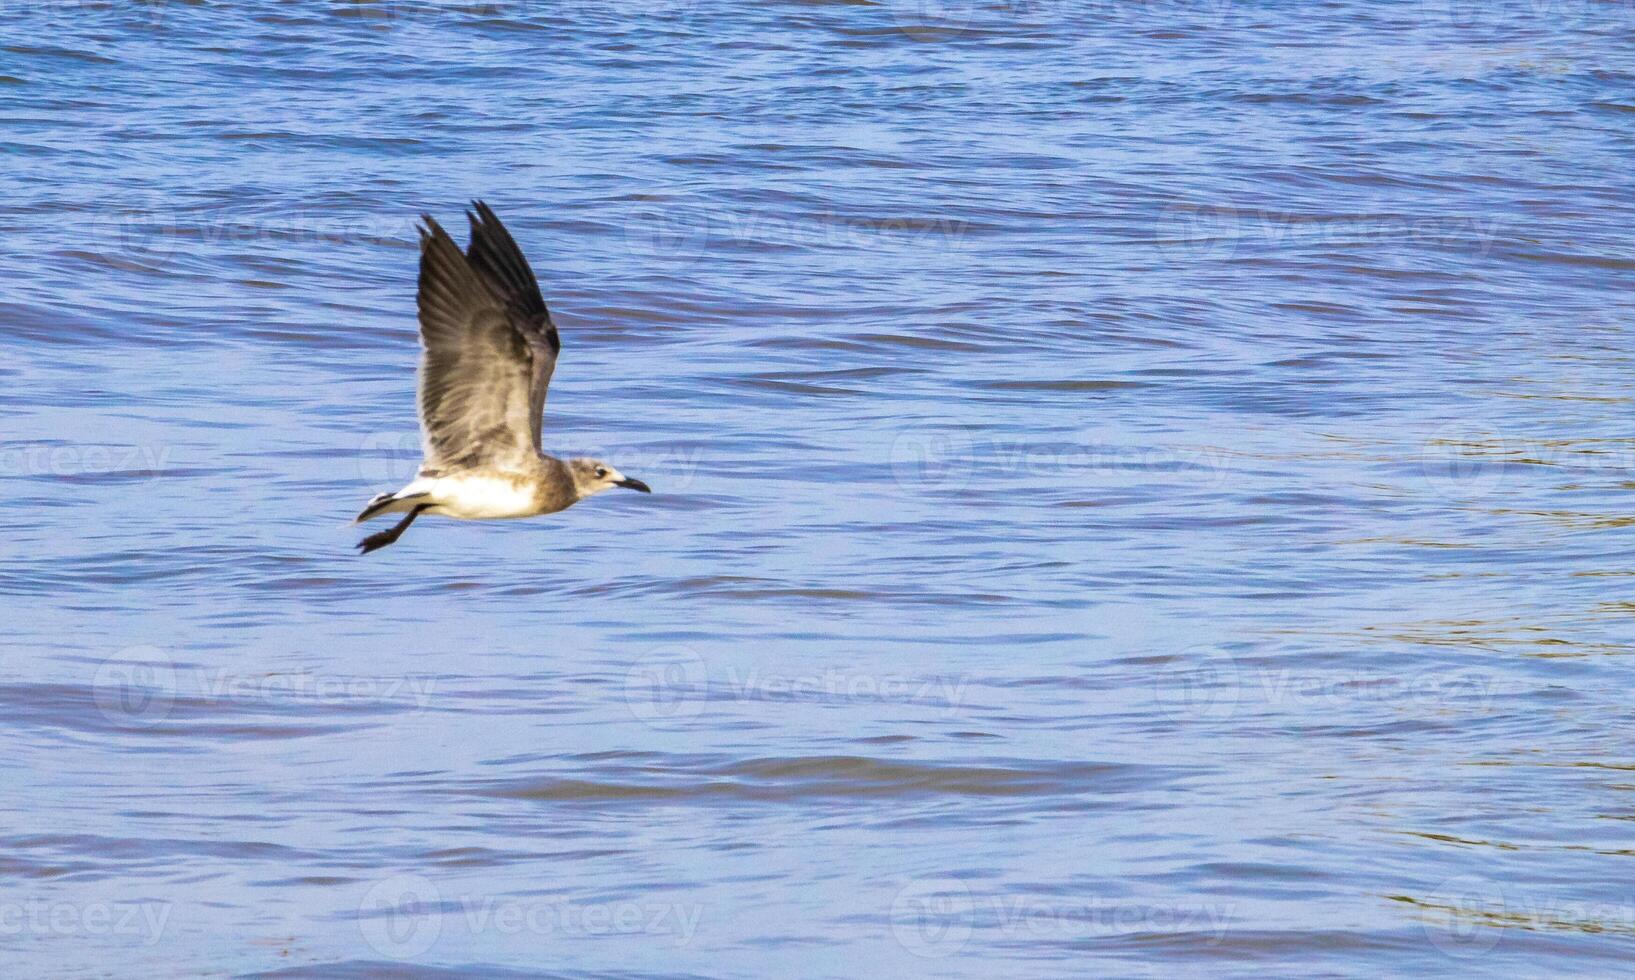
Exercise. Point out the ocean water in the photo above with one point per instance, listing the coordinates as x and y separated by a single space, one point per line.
1140 490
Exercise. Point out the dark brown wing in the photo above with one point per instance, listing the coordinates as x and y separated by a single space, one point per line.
495 255
476 370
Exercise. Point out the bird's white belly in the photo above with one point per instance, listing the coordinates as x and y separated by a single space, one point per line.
477 498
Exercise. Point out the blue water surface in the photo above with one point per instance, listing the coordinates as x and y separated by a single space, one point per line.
1141 490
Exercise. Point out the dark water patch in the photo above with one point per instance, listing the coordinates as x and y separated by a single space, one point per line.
795 780
371 969
1084 385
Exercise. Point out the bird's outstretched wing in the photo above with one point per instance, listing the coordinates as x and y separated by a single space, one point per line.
478 368
496 257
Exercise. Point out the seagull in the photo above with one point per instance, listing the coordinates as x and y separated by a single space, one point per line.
489 348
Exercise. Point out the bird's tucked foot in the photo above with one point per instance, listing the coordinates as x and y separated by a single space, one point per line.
381 539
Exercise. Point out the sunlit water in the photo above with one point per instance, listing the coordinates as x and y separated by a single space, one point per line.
1140 490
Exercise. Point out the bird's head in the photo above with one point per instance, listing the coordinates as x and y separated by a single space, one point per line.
592 476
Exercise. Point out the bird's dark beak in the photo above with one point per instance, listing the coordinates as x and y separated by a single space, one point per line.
630 484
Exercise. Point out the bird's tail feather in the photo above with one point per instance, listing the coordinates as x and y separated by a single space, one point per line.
387 503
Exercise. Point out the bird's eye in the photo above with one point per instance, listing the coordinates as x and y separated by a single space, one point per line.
600 472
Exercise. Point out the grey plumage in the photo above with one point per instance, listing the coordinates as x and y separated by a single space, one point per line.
489 350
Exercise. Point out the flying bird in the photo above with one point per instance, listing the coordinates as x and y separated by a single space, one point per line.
489 348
